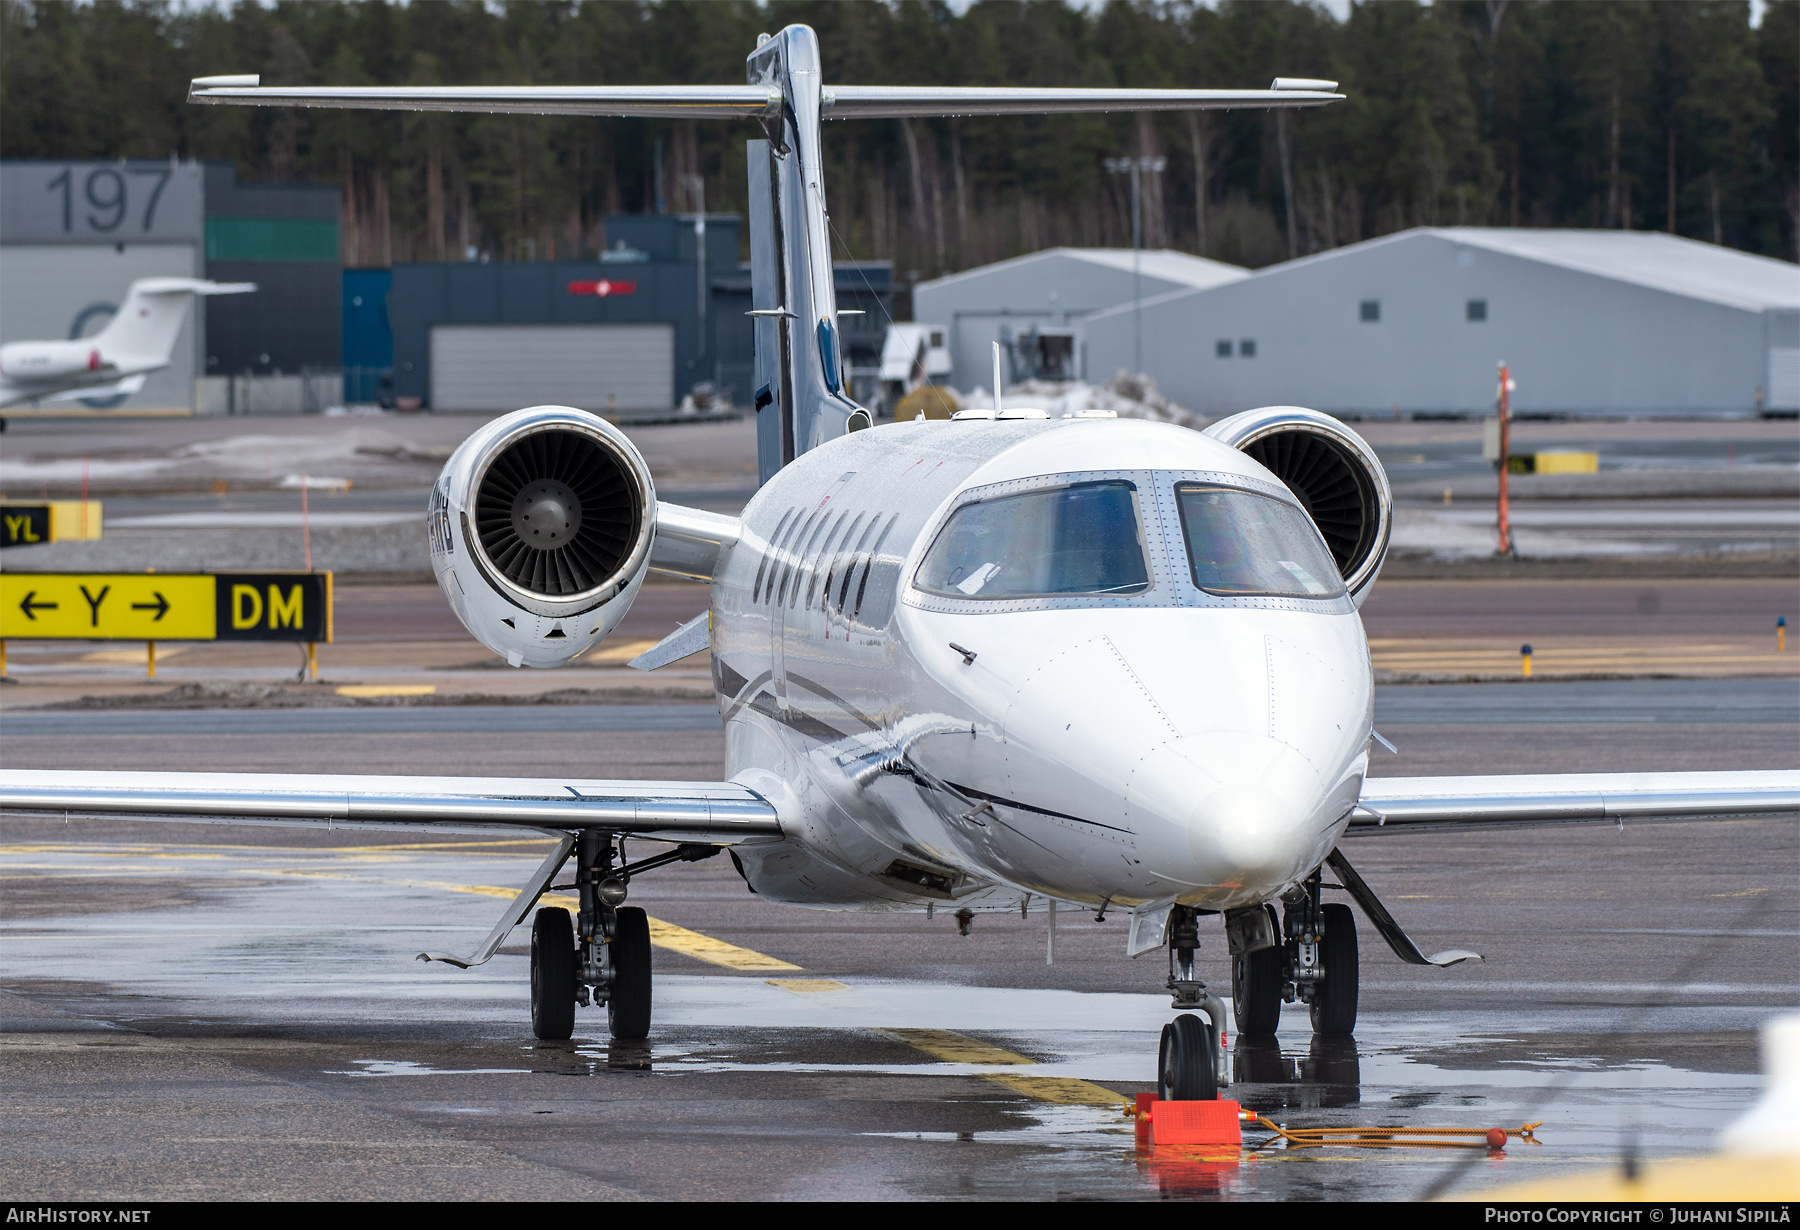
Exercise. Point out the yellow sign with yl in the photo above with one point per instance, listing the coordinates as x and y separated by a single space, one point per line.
152 606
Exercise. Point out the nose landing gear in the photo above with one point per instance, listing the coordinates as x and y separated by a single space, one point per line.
1191 1059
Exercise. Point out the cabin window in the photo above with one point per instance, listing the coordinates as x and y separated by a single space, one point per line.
1247 348
1240 543
803 550
762 566
1475 310
812 580
1222 348
879 583
1081 539
789 553
1369 311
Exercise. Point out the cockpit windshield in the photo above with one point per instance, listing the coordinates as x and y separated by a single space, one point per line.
1242 543
1081 539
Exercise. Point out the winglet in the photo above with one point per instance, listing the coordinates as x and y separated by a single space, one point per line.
241 81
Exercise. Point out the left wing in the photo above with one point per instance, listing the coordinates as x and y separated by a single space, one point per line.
1410 804
714 813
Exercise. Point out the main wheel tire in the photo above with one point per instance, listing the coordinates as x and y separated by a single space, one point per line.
1185 1071
1334 1003
628 1006
552 974
1256 991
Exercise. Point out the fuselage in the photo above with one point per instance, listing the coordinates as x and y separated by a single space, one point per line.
34 370
1161 740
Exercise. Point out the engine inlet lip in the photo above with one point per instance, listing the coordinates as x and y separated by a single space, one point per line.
616 446
1370 474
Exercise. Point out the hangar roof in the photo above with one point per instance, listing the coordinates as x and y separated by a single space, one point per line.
1647 258
1176 268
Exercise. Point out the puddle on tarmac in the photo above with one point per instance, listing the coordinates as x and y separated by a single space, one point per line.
411 1067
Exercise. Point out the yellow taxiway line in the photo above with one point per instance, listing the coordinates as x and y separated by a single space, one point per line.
952 1047
941 1044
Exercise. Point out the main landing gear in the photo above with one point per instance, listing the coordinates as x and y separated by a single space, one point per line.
1310 959
603 956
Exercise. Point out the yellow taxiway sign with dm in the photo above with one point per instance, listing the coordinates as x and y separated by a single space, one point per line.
166 606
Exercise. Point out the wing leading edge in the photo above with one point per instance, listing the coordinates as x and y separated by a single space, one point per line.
718 813
1412 804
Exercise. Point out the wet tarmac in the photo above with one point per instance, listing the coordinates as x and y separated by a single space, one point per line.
214 1012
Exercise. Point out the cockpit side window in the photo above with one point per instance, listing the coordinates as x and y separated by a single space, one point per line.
1240 543
1086 538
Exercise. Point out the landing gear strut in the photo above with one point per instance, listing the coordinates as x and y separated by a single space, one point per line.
603 959
1190 1062
1321 966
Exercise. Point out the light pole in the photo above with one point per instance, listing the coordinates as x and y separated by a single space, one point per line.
1136 167
697 185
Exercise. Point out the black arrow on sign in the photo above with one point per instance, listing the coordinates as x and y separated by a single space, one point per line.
28 606
160 606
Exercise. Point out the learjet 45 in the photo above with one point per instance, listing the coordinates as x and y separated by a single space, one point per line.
1001 662
115 361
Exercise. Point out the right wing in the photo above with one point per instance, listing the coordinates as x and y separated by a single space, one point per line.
712 813
1526 800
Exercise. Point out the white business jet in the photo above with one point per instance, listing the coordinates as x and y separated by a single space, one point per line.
1001 662
115 361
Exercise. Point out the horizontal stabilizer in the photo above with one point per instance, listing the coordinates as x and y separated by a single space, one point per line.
692 637
672 102
190 286
733 102
848 102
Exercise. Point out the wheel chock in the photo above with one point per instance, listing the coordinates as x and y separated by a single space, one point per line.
1186 1123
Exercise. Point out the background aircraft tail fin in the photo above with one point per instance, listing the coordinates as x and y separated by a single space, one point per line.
146 324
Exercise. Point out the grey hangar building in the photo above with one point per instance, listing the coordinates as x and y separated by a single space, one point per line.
1606 323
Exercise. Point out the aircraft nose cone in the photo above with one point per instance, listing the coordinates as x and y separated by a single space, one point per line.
1242 832
1237 812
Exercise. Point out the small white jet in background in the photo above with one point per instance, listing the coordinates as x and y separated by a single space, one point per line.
115 361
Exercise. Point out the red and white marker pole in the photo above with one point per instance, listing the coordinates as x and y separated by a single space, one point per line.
1506 385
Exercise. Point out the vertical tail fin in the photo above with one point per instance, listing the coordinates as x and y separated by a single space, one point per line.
799 358
146 325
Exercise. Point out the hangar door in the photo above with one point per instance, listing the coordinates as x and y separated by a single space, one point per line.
592 367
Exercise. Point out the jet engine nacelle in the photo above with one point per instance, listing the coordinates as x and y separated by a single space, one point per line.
49 360
540 527
1336 475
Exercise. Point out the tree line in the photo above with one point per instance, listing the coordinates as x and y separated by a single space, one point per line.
1668 115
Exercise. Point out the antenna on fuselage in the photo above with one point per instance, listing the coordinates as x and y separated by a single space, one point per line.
996 379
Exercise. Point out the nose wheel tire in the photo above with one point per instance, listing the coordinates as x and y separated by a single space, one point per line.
1185 1071
1256 991
553 974
628 1006
1334 1003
